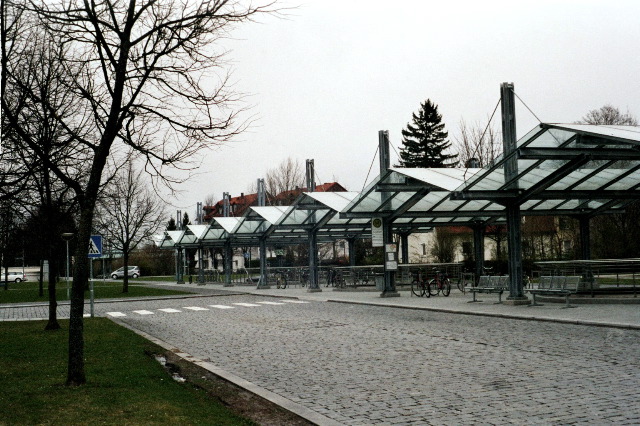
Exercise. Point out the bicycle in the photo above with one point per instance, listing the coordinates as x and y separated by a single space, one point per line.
419 285
467 279
304 278
281 280
335 279
439 284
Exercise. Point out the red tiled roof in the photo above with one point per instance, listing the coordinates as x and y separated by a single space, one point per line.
240 204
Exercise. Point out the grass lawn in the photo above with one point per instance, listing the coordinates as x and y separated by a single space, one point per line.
27 292
124 384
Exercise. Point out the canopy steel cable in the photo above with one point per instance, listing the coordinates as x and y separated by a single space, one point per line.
526 106
532 113
464 177
370 167
396 151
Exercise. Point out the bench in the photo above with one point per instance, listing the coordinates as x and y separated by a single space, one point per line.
558 285
489 284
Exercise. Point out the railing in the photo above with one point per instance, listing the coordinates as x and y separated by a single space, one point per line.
408 271
353 276
598 276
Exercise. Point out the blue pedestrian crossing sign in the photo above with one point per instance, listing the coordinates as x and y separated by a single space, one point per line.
95 246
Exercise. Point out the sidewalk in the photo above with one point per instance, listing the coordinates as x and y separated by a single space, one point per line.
620 312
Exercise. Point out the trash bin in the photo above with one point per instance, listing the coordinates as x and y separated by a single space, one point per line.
379 279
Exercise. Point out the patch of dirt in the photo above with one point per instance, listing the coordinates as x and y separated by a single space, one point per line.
237 399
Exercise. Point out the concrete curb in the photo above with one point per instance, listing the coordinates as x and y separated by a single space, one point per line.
286 404
487 314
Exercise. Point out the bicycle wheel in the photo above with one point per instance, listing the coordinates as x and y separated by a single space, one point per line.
432 288
446 287
417 288
460 285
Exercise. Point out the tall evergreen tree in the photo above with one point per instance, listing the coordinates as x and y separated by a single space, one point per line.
425 141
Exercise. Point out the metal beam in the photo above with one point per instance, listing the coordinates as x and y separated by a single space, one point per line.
569 153
497 195
552 178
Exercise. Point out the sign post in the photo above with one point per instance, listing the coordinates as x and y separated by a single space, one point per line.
95 250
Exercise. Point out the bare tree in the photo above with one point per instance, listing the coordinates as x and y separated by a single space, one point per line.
286 176
477 142
34 97
608 115
143 73
129 214
444 245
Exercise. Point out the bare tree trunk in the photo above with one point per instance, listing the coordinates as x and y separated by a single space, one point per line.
125 280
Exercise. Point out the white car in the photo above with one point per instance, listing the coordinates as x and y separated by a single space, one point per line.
14 276
133 272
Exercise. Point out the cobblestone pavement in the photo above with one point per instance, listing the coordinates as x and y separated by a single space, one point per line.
361 364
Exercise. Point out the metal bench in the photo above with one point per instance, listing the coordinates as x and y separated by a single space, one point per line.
558 285
489 284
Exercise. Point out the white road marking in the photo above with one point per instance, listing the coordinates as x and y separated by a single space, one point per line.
271 303
169 310
221 306
294 301
143 312
116 314
249 305
195 308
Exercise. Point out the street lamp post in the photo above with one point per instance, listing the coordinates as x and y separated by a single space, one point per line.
66 237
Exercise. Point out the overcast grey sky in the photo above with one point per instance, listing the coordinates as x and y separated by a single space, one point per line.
323 81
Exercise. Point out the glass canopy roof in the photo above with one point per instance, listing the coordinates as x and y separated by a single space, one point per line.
562 169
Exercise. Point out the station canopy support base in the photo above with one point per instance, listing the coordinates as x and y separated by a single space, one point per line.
517 301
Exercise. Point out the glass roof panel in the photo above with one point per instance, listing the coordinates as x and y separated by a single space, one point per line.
631 134
334 200
552 138
399 199
227 223
295 217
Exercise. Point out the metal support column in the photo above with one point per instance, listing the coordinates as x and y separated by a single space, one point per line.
389 289
228 254
515 253
507 101
404 247
179 270
263 283
389 275
200 265
262 201
478 249
352 251
585 238
314 286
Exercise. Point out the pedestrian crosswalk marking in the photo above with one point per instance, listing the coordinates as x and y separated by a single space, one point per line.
199 308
